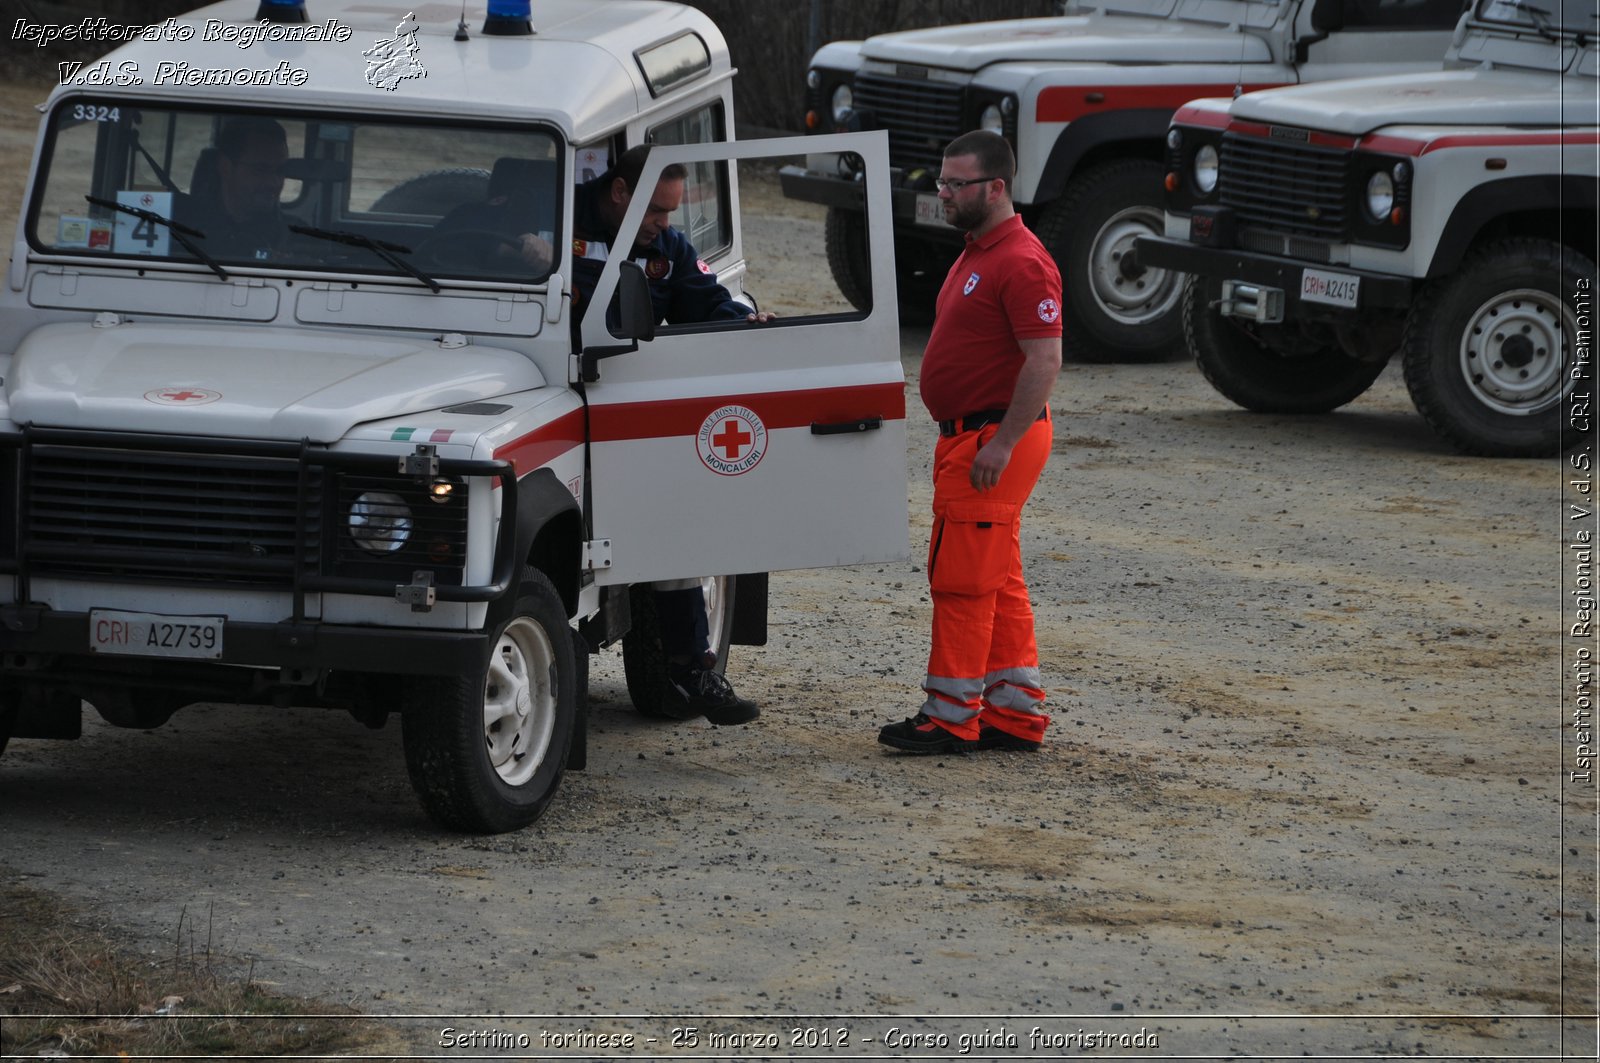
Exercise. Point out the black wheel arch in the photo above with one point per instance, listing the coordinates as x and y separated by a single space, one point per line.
1557 207
1132 134
550 537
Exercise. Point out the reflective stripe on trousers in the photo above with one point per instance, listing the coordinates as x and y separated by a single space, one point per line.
984 660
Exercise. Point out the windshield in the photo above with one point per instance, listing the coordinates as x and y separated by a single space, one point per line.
1555 16
228 188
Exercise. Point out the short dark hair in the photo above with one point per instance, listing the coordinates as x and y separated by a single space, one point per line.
994 155
631 165
238 133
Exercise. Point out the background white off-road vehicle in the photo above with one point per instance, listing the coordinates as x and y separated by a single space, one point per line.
1450 216
1085 100
374 467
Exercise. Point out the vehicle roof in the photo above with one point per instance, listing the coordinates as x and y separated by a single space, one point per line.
577 71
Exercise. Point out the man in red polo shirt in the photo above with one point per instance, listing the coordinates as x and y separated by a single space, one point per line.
991 359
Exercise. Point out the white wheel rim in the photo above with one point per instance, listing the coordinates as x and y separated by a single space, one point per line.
519 701
1130 300
1513 352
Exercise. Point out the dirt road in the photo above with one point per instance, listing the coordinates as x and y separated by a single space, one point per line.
1304 792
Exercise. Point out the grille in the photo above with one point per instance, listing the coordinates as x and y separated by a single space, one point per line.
921 116
1285 187
193 518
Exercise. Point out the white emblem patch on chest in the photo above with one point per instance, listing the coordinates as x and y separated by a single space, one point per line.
972 282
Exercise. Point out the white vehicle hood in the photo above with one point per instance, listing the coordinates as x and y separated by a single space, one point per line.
1445 98
255 383
1102 39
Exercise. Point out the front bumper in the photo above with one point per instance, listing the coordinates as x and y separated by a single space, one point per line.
809 186
35 640
1378 291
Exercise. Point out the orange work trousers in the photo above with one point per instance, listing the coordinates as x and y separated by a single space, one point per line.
984 661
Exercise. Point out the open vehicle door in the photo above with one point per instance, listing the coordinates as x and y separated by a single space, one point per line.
733 447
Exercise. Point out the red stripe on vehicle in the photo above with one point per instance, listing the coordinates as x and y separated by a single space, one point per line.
784 409
544 444
1393 145
1200 116
1062 103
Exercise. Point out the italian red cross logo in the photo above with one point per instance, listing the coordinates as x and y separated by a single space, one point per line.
732 440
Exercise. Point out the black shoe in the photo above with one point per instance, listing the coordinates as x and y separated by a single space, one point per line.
993 738
921 734
708 694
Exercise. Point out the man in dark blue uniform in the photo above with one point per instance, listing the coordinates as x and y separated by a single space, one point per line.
682 287
684 290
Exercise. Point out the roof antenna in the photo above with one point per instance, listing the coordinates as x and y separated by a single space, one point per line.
461 27
1244 44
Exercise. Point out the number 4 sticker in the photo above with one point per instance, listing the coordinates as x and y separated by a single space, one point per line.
136 236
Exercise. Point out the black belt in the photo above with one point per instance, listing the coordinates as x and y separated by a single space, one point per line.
974 421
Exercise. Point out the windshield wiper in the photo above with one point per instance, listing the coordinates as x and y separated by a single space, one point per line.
382 248
180 231
1539 16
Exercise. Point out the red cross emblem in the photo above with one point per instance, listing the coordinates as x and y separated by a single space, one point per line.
732 440
182 396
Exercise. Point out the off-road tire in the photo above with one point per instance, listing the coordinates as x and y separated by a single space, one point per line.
435 192
1251 373
468 738
644 664
916 283
8 719
1089 230
1488 349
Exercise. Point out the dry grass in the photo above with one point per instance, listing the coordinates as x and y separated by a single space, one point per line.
66 985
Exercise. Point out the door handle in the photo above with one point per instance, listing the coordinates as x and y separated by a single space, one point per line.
839 428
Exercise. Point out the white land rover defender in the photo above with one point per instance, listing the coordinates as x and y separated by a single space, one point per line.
1450 216
369 462
1085 100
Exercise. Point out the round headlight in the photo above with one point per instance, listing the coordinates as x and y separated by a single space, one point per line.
380 522
1174 138
1380 196
1206 165
813 78
992 120
843 102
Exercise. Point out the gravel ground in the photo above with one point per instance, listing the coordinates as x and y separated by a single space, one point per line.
1304 791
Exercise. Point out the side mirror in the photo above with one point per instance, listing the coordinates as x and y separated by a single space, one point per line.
637 313
1328 16
636 319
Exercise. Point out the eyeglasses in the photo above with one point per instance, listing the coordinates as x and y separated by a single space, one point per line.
956 184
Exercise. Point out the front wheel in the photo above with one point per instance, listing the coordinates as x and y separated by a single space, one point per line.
1269 368
1489 349
644 661
486 750
1114 310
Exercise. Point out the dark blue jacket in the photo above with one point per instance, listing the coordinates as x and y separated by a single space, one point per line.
682 288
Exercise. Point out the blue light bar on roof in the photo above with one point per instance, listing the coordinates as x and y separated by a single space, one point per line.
509 18
281 11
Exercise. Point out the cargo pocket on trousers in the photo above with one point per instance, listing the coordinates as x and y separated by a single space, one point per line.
971 548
